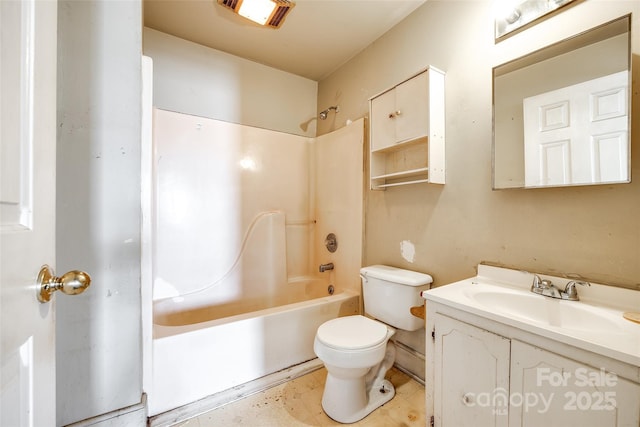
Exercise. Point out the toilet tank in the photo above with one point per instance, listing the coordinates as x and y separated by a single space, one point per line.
389 293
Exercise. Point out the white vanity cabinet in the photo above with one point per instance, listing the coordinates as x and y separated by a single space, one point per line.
485 373
407 132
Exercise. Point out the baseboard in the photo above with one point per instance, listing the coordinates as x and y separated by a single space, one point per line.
134 415
410 362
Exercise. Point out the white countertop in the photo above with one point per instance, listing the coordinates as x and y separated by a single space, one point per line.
595 322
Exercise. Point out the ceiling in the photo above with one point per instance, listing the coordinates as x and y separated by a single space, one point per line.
317 37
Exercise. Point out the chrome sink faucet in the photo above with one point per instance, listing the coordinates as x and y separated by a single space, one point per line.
548 289
544 287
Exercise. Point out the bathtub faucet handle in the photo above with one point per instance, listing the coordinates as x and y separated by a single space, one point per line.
325 267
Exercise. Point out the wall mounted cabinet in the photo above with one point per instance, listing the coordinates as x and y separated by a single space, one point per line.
407 137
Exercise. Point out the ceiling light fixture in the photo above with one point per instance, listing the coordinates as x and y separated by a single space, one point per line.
269 13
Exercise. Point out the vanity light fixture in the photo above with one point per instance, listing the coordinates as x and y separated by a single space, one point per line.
268 13
507 10
513 16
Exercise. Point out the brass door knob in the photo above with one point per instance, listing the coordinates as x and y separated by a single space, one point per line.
71 283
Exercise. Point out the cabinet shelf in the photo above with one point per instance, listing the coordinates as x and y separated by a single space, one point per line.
400 178
403 174
401 145
395 184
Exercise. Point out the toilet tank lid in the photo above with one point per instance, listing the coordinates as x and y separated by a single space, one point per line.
396 275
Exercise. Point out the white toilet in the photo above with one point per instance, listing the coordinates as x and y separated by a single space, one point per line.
356 350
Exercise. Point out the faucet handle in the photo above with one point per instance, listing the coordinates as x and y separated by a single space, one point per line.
570 289
539 283
536 282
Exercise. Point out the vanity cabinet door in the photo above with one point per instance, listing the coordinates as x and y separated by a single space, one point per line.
471 367
553 391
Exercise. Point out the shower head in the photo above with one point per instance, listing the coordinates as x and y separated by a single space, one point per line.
323 114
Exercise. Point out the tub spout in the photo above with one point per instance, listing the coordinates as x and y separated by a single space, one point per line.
325 267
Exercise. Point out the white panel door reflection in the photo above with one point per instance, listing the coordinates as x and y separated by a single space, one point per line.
577 134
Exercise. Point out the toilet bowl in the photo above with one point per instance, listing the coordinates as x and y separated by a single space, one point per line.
350 347
356 350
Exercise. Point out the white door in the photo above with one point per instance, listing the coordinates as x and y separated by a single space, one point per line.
578 134
27 215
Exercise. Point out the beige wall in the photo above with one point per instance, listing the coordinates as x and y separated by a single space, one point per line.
590 231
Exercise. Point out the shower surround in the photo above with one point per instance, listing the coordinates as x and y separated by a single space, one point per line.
235 240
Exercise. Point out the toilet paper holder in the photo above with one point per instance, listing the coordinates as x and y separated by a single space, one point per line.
418 311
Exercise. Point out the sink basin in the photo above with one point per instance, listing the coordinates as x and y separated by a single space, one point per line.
544 310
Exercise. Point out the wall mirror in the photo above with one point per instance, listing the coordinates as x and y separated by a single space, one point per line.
561 115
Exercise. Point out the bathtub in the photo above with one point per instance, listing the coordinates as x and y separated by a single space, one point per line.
196 354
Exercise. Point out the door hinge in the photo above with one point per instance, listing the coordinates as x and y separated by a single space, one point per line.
432 422
433 334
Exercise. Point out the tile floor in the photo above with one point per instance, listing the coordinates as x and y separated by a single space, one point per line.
297 403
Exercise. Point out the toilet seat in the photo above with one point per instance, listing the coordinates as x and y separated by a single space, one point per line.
352 333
